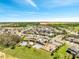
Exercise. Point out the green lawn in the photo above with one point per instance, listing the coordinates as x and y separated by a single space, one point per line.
28 53
62 54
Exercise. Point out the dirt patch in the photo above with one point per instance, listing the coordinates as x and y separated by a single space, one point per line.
2 55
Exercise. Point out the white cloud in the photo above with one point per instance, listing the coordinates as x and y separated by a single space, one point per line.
26 2
56 3
31 2
66 2
70 19
36 19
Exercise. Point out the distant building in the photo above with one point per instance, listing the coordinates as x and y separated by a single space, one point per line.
44 23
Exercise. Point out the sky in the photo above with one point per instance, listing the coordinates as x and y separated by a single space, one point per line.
39 10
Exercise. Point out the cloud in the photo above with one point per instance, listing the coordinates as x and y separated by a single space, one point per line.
56 3
31 2
69 19
66 2
26 2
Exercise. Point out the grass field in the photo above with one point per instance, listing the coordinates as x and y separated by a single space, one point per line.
61 53
31 53
27 53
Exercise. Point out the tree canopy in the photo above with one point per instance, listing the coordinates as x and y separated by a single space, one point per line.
7 39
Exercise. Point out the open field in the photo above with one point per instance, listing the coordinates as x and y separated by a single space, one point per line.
27 53
30 53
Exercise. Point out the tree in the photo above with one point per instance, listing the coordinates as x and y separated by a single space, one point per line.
56 56
9 40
